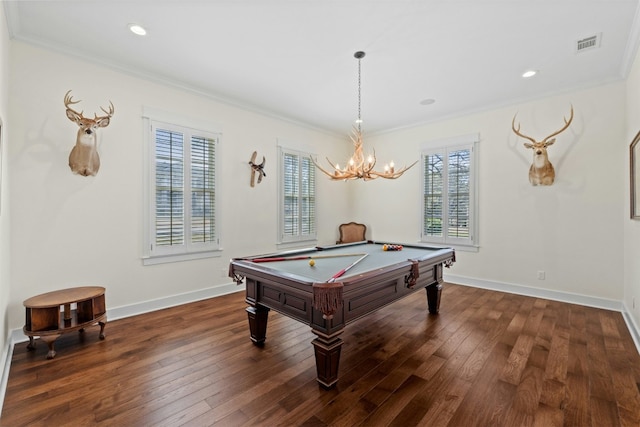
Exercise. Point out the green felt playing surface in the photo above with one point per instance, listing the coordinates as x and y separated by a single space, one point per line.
325 268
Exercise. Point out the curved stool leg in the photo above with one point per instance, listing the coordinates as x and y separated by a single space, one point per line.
102 325
50 340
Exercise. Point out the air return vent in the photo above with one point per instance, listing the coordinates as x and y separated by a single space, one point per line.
588 43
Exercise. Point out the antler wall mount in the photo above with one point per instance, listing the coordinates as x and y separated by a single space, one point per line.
541 171
257 168
84 159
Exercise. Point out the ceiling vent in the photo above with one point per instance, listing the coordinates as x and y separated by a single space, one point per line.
588 43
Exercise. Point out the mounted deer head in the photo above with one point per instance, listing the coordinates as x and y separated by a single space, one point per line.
84 159
541 171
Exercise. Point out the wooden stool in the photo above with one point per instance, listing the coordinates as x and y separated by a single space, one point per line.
44 317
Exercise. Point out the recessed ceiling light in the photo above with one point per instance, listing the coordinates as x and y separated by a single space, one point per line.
427 101
529 73
137 29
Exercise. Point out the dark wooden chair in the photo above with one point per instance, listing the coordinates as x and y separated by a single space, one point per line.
352 232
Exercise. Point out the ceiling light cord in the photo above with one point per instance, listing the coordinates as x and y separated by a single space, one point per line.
359 89
359 55
357 166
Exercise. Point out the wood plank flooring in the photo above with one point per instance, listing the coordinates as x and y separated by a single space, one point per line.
488 359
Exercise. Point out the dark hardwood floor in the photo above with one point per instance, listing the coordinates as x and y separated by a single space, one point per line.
488 359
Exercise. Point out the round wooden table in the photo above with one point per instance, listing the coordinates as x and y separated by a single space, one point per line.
52 314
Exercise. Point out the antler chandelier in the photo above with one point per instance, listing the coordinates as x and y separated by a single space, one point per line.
357 167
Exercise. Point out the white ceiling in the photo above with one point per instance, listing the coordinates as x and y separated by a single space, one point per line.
294 58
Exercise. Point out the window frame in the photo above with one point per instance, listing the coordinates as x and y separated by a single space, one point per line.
444 147
188 250
284 238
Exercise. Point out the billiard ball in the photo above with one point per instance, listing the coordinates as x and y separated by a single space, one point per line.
312 262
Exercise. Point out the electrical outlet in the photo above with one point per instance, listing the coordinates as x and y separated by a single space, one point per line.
541 275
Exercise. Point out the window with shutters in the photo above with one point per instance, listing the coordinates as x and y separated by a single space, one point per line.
449 196
297 196
181 193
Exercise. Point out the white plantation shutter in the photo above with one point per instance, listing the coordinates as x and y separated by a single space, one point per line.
307 197
183 188
459 177
433 194
298 196
291 186
169 212
449 195
203 189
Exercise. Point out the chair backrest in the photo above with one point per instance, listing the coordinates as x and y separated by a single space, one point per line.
352 232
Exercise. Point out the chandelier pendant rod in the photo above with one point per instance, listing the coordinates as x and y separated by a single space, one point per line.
359 55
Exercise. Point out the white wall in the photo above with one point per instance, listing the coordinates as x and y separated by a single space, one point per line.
632 227
5 253
572 230
71 231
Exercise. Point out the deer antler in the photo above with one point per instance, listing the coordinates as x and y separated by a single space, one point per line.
68 100
108 113
517 131
566 125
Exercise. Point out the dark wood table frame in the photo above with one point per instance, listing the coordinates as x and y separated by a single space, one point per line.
362 294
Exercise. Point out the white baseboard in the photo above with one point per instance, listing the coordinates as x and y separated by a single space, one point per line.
172 301
568 297
632 326
5 362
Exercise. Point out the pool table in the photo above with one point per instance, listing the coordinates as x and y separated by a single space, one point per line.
341 284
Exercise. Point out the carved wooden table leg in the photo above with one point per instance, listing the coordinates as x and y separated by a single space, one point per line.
433 297
102 325
327 351
258 316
